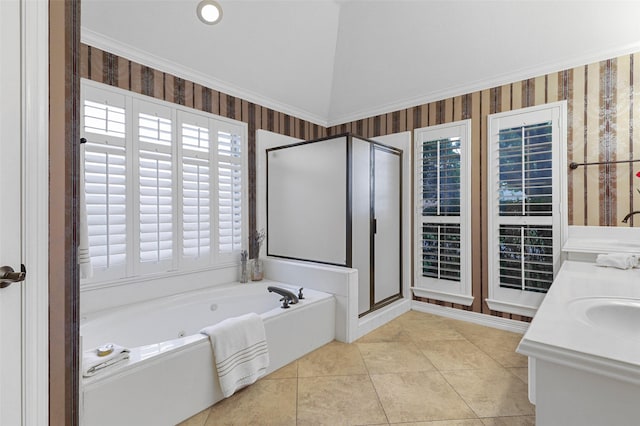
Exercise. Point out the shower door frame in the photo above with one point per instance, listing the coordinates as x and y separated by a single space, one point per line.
373 306
348 216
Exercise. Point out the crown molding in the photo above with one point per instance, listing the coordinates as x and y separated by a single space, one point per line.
121 49
116 47
475 86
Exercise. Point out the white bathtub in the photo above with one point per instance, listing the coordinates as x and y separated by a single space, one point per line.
170 375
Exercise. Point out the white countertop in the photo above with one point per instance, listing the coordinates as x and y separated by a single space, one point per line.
558 334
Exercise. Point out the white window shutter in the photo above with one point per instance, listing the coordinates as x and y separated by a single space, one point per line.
230 191
105 187
196 190
165 185
524 185
525 189
443 253
103 124
440 177
156 207
155 187
104 119
196 212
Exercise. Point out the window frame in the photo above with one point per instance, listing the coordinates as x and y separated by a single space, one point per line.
509 300
134 103
459 292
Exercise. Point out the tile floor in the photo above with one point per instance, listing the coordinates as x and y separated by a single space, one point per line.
418 369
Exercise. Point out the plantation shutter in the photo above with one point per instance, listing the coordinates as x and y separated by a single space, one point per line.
155 177
104 119
440 190
441 251
105 188
526 153
103 126
196 192
164 186
230 213
525 189
443 259
526 257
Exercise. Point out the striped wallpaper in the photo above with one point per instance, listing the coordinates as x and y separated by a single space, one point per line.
601 112
107 68
600 99
602 118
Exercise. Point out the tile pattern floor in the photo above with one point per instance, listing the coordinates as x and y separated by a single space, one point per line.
418 369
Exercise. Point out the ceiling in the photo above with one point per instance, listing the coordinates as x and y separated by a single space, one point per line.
333 61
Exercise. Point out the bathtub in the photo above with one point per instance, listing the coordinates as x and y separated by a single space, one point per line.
170 375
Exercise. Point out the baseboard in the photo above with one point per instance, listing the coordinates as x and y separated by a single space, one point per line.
473 317
371 321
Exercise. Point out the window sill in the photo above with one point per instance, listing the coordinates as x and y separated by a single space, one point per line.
442 296
89 285
511 308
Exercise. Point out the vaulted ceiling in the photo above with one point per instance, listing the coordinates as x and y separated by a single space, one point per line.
332 61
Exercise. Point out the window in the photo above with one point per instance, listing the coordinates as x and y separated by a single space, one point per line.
526 150
165 185
443 261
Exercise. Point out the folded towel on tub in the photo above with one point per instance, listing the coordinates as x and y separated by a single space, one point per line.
97 359
618 260
240 351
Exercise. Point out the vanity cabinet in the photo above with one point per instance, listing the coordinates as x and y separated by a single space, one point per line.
570 396
584 348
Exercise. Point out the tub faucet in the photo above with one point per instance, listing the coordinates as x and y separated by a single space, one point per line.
626 218
287 296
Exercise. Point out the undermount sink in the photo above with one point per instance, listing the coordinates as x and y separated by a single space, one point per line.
617 315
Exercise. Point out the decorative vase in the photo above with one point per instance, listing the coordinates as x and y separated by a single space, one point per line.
244 272
257 271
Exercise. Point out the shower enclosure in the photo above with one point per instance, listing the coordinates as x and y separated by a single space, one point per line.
338 201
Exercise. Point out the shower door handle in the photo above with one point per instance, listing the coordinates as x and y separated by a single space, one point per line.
8 276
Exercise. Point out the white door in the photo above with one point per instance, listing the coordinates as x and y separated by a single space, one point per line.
10 213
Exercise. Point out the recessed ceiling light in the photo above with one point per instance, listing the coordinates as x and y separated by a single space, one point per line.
209 12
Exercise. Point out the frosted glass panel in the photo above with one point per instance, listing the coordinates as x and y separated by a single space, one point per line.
361 223
307 201
387 213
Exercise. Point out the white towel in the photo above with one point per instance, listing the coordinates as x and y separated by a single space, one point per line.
92 363
618 260
240 351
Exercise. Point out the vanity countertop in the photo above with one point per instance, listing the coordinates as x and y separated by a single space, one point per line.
561 332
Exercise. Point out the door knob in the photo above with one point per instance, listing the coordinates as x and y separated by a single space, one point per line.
8 276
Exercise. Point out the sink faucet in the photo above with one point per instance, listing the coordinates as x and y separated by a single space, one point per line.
287 296
626 218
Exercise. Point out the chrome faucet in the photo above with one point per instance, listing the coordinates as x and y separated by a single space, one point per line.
287 296
626 218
